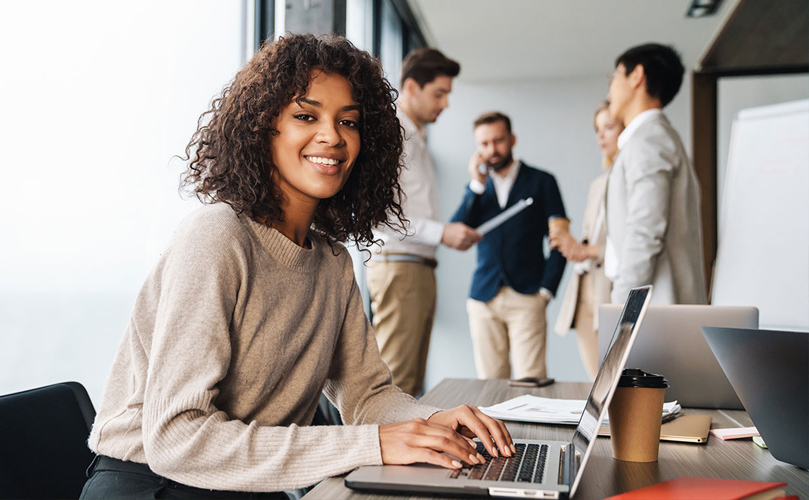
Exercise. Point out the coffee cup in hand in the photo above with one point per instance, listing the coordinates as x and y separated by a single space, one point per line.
557 222
636 414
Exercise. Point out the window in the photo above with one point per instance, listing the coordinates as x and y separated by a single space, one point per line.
98 97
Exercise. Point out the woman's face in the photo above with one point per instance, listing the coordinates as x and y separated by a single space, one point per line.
318 140
607 132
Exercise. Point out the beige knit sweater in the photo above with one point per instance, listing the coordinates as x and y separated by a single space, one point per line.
233 337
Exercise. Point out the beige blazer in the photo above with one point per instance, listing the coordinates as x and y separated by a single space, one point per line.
601 285
653 217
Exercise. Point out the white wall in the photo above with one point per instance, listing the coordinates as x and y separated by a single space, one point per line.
553 121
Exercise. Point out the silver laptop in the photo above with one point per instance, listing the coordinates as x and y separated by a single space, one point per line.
540 468
670 343
770 370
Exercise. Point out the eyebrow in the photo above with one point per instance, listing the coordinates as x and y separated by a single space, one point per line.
318 104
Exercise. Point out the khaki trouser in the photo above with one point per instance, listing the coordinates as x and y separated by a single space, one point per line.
586 331
403 298
510 323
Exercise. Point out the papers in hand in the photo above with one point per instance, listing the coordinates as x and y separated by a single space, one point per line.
502 217
528 408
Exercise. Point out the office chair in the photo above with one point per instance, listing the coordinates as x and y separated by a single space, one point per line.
43 442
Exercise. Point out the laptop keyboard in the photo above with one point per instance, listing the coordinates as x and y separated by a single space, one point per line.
526 465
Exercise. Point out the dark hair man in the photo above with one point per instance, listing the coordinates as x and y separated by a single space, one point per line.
513 281
654 233
401 274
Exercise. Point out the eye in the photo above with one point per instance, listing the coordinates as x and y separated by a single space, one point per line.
304 117
350 124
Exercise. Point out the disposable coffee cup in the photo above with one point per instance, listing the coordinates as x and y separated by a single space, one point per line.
636 413
558 222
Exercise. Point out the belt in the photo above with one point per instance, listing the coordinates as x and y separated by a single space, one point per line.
403 257
102 462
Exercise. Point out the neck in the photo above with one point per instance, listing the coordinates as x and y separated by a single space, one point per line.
639 105
503 172
403 104
296 223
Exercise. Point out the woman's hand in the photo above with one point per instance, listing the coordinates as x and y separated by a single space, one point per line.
571 249
471 422
422 441
562 240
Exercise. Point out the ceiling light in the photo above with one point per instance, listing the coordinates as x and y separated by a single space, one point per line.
702 8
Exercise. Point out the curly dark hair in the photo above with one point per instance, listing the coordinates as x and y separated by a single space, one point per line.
231 152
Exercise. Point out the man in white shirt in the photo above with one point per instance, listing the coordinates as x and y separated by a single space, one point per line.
401 274
654 232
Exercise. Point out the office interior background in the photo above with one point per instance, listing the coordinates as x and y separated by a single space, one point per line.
100 97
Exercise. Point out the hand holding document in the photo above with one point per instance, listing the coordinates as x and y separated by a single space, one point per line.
506 215
528 408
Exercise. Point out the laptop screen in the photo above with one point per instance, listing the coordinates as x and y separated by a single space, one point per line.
606 381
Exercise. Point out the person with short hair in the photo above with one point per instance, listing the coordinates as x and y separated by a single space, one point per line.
513 281
401 273
253 310
654 228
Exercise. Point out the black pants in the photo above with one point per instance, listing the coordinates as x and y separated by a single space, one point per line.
111 479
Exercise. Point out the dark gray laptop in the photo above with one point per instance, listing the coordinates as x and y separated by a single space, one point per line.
540 468
770 371
670 343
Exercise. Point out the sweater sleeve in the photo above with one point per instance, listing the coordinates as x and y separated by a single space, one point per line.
188 439
359 382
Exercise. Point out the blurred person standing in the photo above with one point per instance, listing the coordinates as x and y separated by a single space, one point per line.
401 273
589 287
513 281
654 230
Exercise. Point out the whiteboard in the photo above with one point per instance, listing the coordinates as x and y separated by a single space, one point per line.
763 247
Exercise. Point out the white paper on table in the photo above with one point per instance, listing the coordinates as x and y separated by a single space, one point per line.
528 408
504 216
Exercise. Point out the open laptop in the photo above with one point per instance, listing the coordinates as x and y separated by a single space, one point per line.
670 343
770 371
540 468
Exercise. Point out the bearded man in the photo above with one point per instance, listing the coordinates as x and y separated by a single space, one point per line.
514 281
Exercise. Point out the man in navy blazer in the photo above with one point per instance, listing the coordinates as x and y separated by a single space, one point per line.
513 281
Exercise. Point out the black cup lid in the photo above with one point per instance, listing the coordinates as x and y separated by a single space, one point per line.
634 377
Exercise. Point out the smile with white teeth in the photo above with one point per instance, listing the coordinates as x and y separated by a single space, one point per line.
323 161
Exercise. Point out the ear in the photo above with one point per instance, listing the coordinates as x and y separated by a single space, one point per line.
513 140
637 77
411 86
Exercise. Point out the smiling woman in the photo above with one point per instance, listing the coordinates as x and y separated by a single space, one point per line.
229 160
253 310
316 143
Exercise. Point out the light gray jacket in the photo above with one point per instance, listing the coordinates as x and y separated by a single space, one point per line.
653 217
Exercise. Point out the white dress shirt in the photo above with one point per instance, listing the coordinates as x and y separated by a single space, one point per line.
420 204
502 184
611 262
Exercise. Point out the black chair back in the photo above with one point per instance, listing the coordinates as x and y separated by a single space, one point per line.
43 438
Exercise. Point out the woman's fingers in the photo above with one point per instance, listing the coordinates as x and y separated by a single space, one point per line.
491 432
488 429
421 441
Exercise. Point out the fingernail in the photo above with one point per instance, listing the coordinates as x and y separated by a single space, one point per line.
456 464
513 448
480 457
494 452
473 459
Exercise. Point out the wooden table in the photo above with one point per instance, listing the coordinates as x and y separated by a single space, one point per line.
603 475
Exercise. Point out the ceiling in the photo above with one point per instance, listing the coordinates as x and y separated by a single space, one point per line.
544 39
